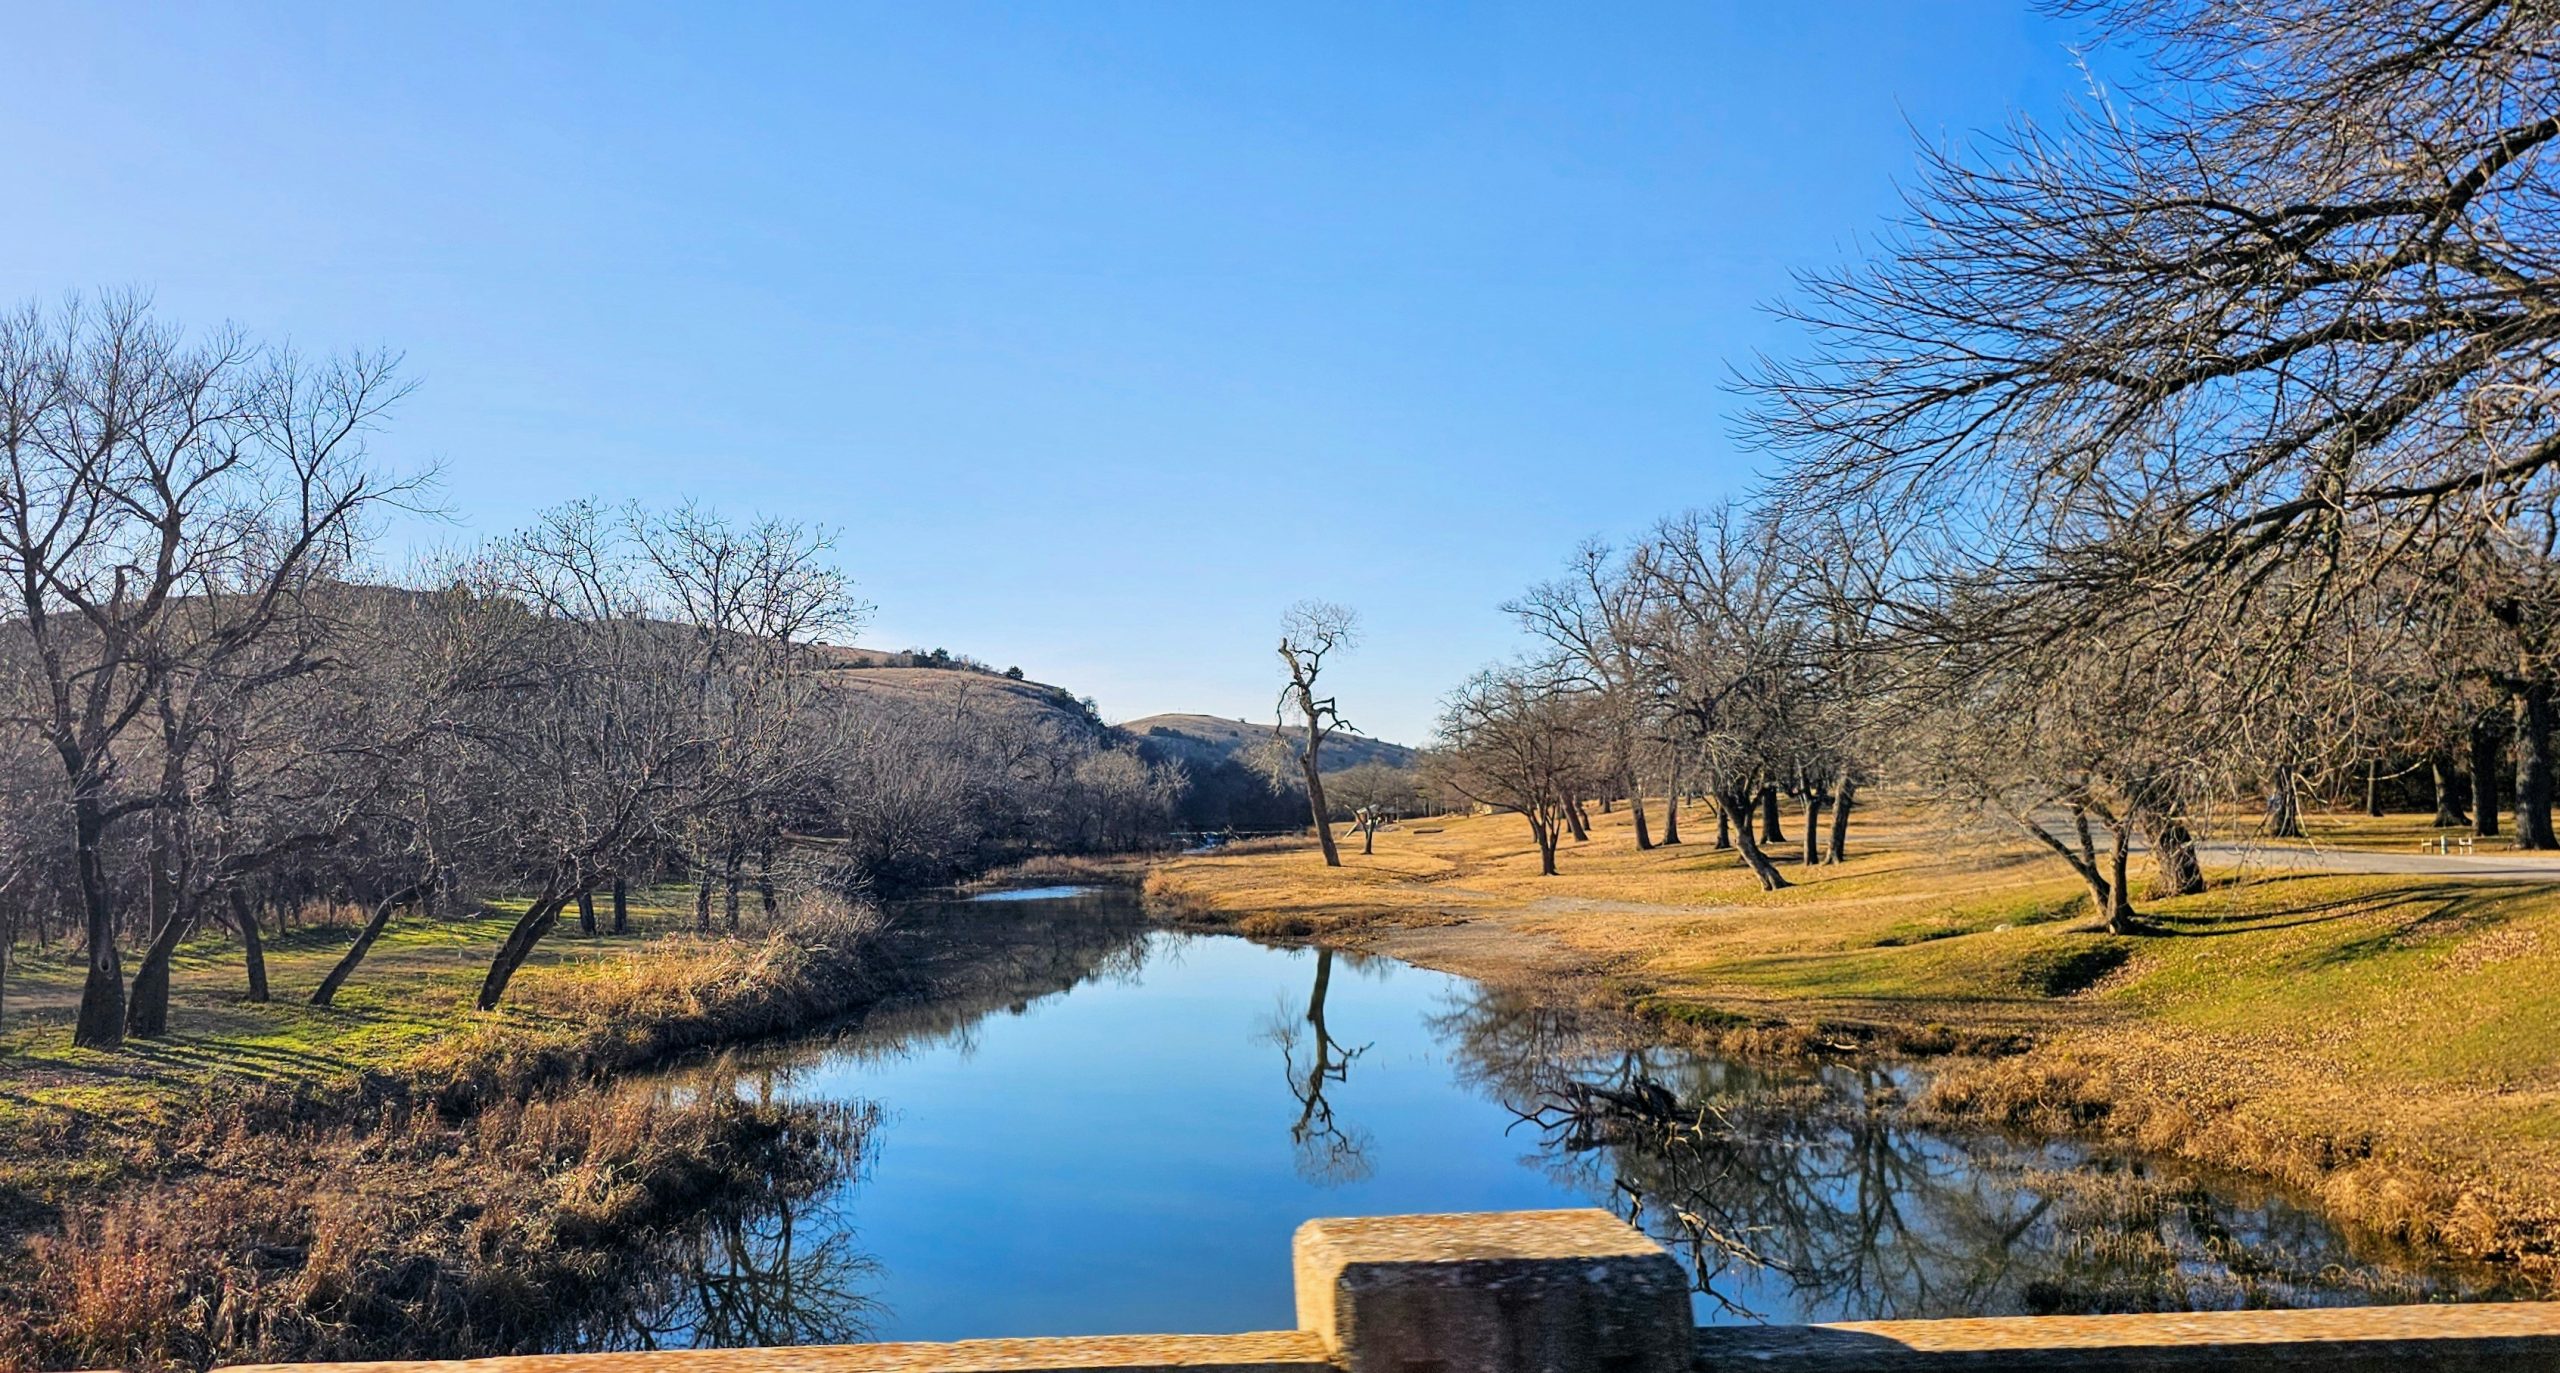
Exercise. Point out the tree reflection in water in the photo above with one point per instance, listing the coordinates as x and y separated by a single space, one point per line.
1809 1192
1328 1152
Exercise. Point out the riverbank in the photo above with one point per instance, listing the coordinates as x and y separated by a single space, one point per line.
398 1174
2388 1044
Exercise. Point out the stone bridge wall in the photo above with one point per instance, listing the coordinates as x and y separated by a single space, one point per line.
1580 1292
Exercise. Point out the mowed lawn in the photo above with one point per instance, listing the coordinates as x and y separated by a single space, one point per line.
413 990
2373 1032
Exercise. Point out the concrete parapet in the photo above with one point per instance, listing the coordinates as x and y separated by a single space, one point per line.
2485 1338
1274 1352
1492 1292
1580 1292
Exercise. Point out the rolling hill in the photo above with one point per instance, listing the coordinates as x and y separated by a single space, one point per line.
1211 738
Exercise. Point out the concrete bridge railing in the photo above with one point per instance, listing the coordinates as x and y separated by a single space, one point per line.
1581 1292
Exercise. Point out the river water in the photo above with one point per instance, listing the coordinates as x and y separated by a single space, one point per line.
1105 1126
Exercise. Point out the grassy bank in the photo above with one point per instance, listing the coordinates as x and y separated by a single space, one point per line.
2388 1043
396 1174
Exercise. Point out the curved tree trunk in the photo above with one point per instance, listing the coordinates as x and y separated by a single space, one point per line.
1770 878
536 922
173 910
1671 809
346 965
253 948
1635 802
146 1008
1315 801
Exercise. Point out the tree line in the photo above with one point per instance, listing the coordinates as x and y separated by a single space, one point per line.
215 709
2162 468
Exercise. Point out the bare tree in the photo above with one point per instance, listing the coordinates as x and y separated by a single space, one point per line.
139 473
1731 645
1513 738
1310 632
1591 620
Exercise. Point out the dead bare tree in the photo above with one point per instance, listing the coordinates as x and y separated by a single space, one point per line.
1310 632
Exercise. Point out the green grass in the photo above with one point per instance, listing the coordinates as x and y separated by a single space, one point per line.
413 990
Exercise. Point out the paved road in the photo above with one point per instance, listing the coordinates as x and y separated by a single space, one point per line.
2488 865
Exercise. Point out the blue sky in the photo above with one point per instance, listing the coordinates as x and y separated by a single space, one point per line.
1101 331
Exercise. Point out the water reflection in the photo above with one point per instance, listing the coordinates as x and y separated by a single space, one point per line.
1328 1152
1797 1192
1082 1132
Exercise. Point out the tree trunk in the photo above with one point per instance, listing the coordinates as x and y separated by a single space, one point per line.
1840 806
173 912
1813 804
1573 821
146 1009
1546 836
586 913
2484 778
101 1022
1752 857
621 905
2448 788
253 948
1368 837
1315 800
346 965
2373 789
764 882
2121 917
2284 804
2533 768
1671 810
1635 802
529 930
731 879
1724 824
1769 831
702 902
2176 871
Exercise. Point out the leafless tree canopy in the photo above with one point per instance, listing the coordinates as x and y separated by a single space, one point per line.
214 710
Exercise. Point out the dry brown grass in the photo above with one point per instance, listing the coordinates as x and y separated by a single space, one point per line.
407 1235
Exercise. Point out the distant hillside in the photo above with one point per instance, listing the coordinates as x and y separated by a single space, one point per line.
885 678
1209 738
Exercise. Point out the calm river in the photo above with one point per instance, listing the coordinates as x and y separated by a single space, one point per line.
1113 1127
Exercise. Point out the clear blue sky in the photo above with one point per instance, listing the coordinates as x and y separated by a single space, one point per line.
1102 331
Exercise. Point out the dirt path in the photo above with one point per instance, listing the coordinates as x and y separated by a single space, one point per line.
2494 866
